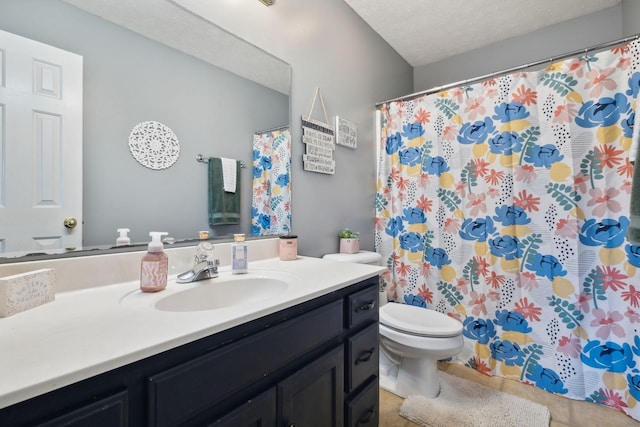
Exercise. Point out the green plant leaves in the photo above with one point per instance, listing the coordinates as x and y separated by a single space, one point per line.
531 244
564 194
532 354
591 166
560 82
468 175
594 285
567 312
451 294
470 272
381 202
448 107
449 199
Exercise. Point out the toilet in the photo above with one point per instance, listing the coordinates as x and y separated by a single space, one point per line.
412 340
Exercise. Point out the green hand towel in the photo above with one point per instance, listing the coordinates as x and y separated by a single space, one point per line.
224 208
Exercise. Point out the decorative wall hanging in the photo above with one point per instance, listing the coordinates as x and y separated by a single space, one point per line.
346 133
154 145
319 141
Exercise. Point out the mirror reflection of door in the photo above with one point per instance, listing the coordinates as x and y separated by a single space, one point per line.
40 146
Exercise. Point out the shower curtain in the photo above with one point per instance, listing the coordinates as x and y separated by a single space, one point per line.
271 200
505 204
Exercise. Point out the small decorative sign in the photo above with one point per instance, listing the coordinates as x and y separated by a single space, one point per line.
26 290
346 133
319 140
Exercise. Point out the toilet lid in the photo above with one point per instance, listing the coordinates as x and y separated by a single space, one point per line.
418 321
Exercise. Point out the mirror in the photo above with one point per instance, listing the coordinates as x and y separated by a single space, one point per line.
150 60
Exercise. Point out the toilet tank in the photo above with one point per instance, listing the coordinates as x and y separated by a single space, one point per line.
362 257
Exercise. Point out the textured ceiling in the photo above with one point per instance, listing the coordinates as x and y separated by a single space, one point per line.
426 31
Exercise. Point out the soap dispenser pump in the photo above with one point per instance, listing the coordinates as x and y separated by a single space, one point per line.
154 267
123 239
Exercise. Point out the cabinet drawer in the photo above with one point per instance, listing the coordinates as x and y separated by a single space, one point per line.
362 357
183 391
362 409
362 306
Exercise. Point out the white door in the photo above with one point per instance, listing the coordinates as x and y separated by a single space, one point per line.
40 146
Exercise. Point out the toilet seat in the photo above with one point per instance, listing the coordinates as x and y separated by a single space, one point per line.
418 321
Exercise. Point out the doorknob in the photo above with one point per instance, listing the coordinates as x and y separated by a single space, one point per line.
70 222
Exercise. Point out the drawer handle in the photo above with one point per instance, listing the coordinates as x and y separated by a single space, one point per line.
366 306
366 417
365 356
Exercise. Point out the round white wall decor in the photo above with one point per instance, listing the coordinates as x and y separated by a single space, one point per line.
154 145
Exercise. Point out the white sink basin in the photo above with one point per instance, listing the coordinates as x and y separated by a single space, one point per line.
225 291
221 294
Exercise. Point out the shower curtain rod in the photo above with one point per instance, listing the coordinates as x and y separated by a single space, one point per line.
510 70
272 129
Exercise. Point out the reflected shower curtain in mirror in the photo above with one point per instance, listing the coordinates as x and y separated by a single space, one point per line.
505 205
271 202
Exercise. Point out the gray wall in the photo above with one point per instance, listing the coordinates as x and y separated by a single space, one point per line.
129 79
589 30
330 47
630 17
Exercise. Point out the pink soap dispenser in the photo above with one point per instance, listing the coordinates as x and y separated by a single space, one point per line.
154 267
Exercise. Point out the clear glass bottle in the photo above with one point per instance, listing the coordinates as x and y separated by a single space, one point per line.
239 254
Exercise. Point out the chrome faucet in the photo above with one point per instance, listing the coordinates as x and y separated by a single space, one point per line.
207 269
203 267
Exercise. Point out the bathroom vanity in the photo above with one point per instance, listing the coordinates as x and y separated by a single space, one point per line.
306 358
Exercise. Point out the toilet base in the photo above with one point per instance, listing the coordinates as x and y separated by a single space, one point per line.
412 377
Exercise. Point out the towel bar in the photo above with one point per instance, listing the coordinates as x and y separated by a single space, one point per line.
203 159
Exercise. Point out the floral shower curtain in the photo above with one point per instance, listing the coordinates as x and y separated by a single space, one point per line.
505 204
271 202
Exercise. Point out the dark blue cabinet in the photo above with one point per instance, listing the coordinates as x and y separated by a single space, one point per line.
313 364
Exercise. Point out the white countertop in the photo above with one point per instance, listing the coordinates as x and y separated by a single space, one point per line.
90 331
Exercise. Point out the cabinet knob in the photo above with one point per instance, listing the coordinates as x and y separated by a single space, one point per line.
366 417
366 306
365 356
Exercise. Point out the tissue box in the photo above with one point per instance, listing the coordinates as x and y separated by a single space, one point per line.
27 290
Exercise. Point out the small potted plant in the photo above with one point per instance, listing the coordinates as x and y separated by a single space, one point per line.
349 241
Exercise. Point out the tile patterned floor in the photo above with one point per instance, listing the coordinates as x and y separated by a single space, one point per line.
564 412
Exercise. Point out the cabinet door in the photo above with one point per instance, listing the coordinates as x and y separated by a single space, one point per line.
313 396
257 412
108 412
